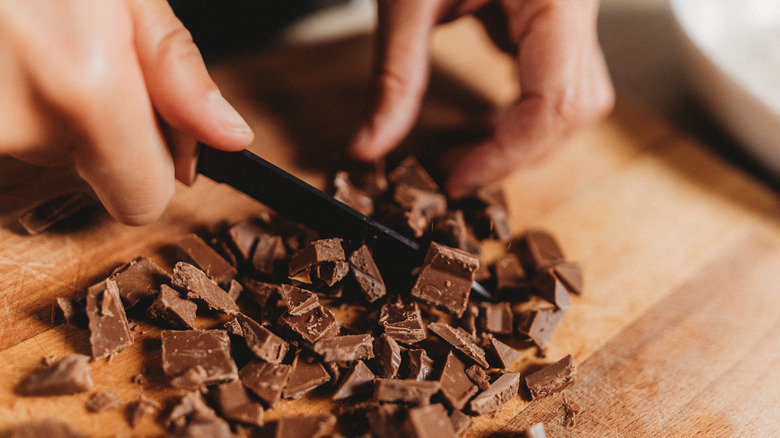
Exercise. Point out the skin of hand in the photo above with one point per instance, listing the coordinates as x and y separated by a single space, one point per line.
116 88
564 81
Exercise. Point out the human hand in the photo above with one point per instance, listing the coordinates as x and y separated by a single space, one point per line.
116 88
564 82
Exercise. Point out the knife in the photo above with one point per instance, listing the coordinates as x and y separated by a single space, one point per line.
293 198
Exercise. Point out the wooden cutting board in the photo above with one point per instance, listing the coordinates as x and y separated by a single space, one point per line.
677 332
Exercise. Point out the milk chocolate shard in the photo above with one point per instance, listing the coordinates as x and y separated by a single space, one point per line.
265 380
345 348
200 287
388 356
103 401
548 286
420 207
452 230
73 310
70 375
261 341
496 318
446 278
411 172
478 376
414 392
53 211
354 197
456 387
318 323
502 353
500 392
366 274
243 236
359 379
192 417
539 324
460 340
460 422
259 291
194 358
139 408
235 404
192 249
108 329
538 250
321 259
268 250
299 301
419 365
307 373
139 280
170 308
571 276
311 426
402 322
429 421
552 378
510 274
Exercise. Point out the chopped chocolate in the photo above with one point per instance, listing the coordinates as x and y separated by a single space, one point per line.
412 173
200 287
334 371
487 211
318 323
108 329
266 380
259 291
261 341
456 387
354 197
139 280
70 375
414 392
307 373
367 274
345 348
573 410
330 273
235 404
535 431
74 311
539 324
192 417
469 319
268 250
192 249
451 229
403 322
244 235
234 290
429 421
552 378
446 278
498 218
310 426
103 401
384 421
388 356
318 259
501 352
173 310
510 274
194 358
420 365
358 380
299 301
537 250
478 375
420 207
53 211
571 276
548 286
139 408
500 392
49 428
460 339
460 422
496 318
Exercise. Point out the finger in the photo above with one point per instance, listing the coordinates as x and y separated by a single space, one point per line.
184 149
401 74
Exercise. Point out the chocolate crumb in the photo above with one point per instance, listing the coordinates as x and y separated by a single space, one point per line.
552 378
103 401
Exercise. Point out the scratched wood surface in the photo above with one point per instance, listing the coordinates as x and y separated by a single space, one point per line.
675 335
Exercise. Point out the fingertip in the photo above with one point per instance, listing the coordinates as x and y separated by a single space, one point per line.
236 134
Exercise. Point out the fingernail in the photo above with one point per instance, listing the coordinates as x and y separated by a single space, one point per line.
228 116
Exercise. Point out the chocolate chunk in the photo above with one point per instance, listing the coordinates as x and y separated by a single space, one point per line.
194 358
261 341
193 250
500 392
266 380
496 318
70 375
537 250
367 274
311 426
318 323
307 373
192 417
48 428
138 409
548 286
259 291
173 310
414 392
460 422
501 352
420 207
429 422
469 319
573 410
269 249
478 376
358 380
388 356
299 301
571 276
103 401
535 431
384 421
244 235
420 365
139 280
403 322
446 278
354 197
456 387
109 332
234 290
235 404
412 173
200 287
345 348
53 211
460 339
74 311
539 324
510 274
552 378
451 229
323 259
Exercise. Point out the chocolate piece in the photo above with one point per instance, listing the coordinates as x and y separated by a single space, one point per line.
70 375
323 259
420 207
263 343
384 421
460 339
469 319
48 428
244 235
403 322
199 287
139 280
194 358
318 323
310 426
538 249
478 376
358 380
108 329
170 308
351 195
268 250
334 371
571 276
74 311
456 387
503 353
138 409
260 292
235 290
452 230
415 392
299 301
367 274
549 287
446 278
233 327
266 380
307 373
420 365
460 422
535 431
388 356
194 250
429 422
500 392
103 401
496 318
192 417
53 211
345 348
498 218
539 324
234 403
573 410
510 274
412 173
552 378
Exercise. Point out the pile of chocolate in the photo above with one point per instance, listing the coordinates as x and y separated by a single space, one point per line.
300 315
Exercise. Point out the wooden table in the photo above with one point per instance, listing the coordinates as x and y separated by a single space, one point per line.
677 332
